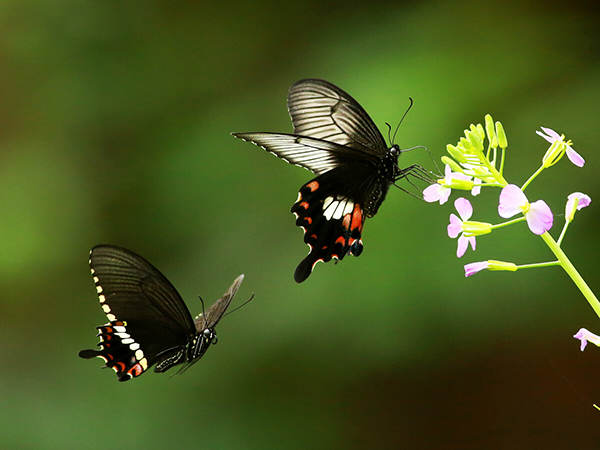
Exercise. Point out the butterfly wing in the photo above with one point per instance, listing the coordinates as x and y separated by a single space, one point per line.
321 110
213 314
316 155
332 208
148 320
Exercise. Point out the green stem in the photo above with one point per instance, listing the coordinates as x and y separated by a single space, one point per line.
510 222
546 264
532 177
572 272
562 233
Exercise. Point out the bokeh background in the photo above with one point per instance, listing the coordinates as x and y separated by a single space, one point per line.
114 128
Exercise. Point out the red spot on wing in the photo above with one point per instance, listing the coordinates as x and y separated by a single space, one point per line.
136 370
357 218
308 219
303 205
346 221
119 367
340 240
313 186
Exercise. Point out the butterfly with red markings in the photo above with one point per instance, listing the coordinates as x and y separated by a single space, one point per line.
148 322
337 140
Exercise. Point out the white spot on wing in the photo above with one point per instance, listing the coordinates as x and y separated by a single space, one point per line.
337 208
105 308
99 289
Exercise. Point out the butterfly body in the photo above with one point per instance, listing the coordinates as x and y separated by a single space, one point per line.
149 323
337 140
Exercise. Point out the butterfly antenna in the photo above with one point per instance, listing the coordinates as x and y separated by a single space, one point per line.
389 133
401 120
203 315
243 304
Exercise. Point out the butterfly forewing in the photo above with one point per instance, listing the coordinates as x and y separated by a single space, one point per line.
321 110
212 315
313 154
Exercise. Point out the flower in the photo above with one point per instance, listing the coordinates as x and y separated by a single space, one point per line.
554 138
473 268
584 336
465 210
538 214
441 190
575 202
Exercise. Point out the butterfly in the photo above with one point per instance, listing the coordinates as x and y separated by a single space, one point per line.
148 322
337 140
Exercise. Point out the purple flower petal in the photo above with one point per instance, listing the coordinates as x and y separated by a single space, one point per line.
463 245
461 249
512 201
436 192
575 157
539 217
584 336
455 226
473 268
464 208
551 135
476 189
583 200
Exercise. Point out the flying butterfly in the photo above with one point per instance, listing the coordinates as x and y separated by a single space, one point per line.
337 140
148 322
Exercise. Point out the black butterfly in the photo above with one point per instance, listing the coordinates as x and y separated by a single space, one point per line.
148 320
337 140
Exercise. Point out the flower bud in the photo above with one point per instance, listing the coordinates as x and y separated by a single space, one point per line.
475 141
489 127
456 153
502 141
453 165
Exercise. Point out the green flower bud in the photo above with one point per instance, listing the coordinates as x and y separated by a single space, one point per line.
453 165
502 141
475 141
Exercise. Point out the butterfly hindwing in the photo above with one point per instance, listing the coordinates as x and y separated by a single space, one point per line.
332 224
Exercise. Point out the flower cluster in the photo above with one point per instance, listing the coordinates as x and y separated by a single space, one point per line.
477 161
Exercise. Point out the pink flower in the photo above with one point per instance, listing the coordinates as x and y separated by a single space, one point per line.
465 210
552 137
575 202
538 214
441 190
584 336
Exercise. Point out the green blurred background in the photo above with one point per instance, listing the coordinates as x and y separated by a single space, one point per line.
114 128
